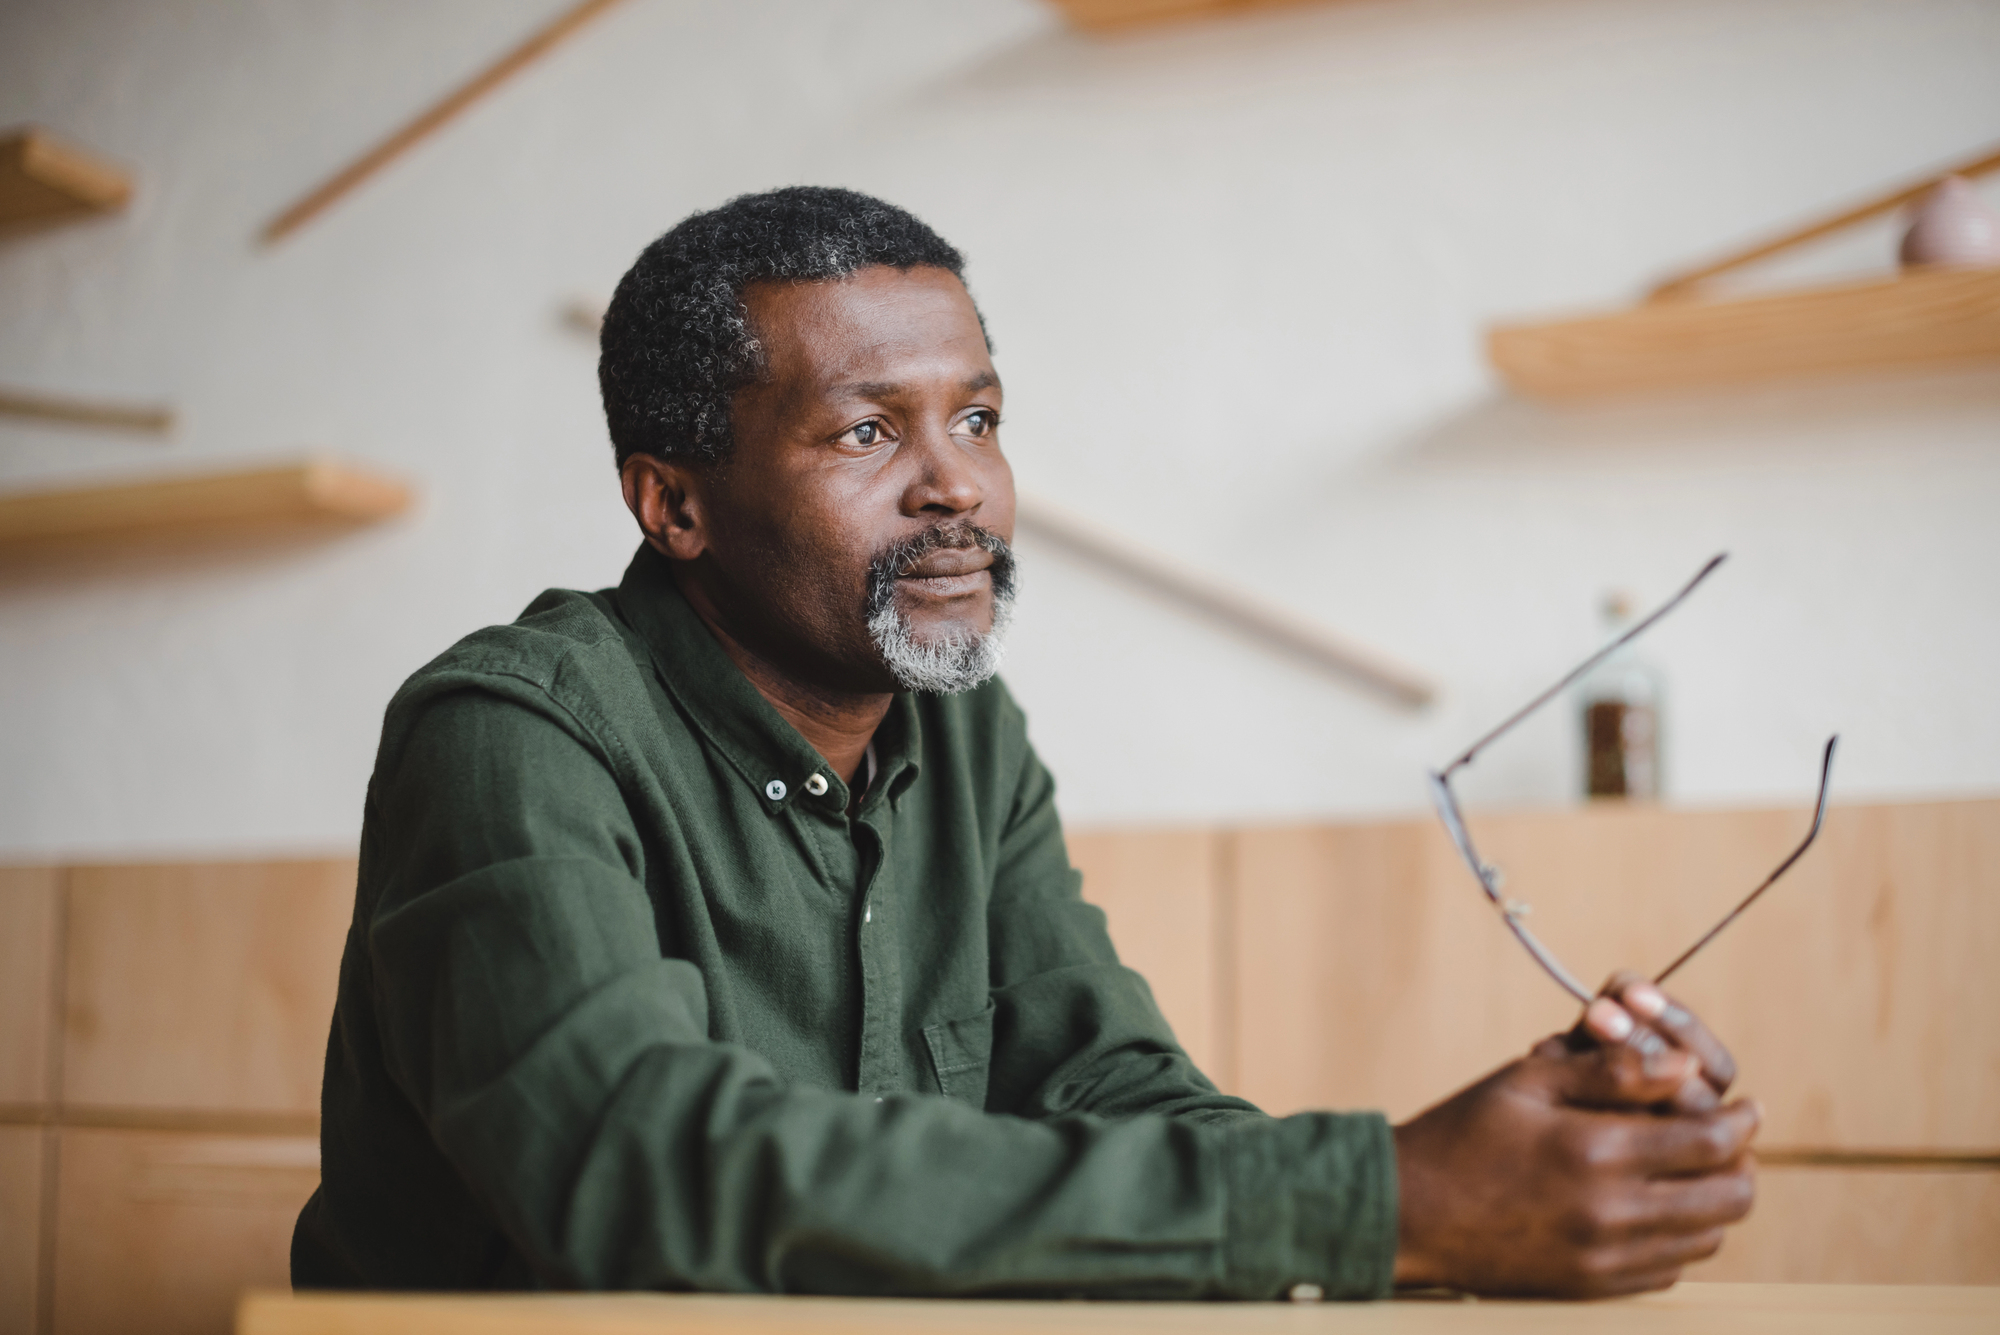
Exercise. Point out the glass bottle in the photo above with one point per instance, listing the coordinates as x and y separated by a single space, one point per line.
1621 718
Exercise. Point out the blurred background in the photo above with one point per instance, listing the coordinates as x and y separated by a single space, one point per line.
1238 272
1241 269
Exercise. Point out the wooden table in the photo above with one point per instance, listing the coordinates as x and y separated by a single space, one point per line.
1690 1309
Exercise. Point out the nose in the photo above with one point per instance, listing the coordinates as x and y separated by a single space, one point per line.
944 480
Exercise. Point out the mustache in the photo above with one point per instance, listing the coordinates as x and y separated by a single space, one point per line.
898 558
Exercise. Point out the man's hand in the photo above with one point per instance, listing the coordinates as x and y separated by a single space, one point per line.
1633 1014
1600 1164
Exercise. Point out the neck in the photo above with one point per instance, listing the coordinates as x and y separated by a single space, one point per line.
838 724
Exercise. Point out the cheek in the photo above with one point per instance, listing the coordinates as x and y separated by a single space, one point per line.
820 567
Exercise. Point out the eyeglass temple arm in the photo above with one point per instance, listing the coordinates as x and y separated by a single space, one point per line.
1549 963
1819 815
1587 665
1454 823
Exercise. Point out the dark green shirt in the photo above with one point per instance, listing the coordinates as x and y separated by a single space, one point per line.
630 1001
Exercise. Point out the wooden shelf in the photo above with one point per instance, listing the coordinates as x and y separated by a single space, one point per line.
43 179
1923 318
293 499
1108 15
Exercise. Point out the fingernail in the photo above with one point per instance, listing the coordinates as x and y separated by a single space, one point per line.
1609 1021
1646 999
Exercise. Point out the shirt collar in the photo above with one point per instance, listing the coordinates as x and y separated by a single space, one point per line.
768 754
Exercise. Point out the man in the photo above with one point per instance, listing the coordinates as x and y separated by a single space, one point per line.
715 931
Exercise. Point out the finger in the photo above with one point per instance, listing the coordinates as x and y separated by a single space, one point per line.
1713 1200
1695 1095
1651 1262
1677 1206
1666 1147
1623 1077
1607 1022
1655 1009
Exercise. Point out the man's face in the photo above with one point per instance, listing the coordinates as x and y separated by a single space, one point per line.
873 443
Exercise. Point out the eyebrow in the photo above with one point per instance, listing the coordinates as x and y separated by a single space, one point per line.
889 389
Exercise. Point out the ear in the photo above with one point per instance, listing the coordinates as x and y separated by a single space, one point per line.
667 499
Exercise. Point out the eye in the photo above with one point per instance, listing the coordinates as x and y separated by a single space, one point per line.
862 435
979 422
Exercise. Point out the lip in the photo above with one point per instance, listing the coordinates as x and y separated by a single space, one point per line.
947 586
948 562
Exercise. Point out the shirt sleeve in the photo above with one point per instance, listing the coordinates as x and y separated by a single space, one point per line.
564 1067
1076 1032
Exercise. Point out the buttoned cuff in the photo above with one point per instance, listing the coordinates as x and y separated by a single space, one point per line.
1312 1200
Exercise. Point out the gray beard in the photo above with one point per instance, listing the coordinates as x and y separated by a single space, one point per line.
945 666
952 663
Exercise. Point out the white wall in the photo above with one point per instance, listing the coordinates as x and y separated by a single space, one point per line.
1237 274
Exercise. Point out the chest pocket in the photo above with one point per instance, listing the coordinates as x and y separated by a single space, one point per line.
961 1053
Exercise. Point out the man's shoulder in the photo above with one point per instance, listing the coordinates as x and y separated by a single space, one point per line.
560 629
568 654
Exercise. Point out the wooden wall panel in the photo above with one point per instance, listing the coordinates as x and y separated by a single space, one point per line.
202 986
1837 1226
161 1231
1160 891
20 1225
28 915
1373 974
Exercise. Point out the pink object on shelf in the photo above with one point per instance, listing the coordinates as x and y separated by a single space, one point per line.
1953 228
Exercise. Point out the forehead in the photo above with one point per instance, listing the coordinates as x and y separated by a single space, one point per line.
879 324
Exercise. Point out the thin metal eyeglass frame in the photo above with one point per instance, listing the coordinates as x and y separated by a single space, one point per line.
1512 911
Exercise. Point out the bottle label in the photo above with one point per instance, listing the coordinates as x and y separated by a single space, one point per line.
1623 750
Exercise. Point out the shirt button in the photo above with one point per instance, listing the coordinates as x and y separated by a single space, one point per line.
868 914
775 790
816 784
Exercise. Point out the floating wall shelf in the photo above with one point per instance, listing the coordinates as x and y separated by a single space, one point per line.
1677 338
1920 319
295 499
43 179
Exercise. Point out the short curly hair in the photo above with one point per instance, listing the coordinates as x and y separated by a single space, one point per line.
677 342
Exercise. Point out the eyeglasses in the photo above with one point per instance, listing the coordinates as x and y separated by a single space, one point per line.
1512 911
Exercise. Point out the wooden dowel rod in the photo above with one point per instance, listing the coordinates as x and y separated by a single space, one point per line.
1274 625
82 412
1678 285
1934 1160
347 178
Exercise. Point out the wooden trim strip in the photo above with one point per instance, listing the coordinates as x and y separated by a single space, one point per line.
1276 626
153 419
1919 1160
327 193
1112 15
220 1120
